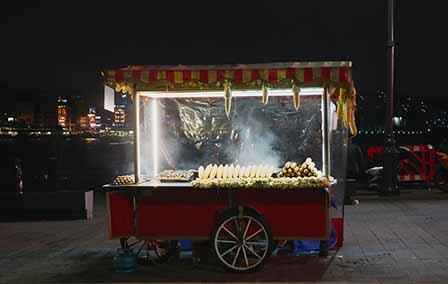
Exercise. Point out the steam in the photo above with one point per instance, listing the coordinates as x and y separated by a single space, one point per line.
255 142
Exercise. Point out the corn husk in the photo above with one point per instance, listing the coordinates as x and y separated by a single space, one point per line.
201 172
352 118
248 171
236 171
225 171
258 171
296 96
242 172
214 171
345 113
269 172
219 172
227 98
264 170
264 95
353 128
340 110
230 171
207 171
253 171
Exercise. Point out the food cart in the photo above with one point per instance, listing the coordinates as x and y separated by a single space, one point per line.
238 155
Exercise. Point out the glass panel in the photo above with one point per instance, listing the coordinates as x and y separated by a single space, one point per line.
196 131
338 161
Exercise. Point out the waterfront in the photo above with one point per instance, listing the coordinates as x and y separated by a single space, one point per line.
59 162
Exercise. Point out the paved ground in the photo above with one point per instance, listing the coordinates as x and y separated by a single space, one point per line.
387 240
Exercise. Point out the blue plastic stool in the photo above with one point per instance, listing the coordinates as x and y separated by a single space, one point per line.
311 247
185 245
125 261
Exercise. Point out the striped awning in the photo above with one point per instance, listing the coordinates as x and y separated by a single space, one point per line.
336 76
212 77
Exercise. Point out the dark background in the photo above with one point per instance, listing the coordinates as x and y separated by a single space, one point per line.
60 47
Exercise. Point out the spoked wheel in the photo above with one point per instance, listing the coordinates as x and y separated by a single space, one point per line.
241 243
154 251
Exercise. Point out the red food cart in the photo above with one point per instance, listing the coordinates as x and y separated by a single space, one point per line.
233 114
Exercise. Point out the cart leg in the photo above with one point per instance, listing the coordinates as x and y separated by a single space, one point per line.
323 248
123 243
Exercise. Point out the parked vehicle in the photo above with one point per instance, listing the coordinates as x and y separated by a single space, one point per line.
371 179
441 178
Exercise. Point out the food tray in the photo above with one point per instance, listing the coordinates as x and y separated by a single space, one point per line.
177 176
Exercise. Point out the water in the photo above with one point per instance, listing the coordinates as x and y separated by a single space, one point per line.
61 163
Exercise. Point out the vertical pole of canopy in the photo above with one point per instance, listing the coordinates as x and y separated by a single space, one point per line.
325 132
137 137
155 136
323 244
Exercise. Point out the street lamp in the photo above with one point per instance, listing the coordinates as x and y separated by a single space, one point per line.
390 163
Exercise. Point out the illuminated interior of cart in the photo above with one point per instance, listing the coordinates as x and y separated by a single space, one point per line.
200 94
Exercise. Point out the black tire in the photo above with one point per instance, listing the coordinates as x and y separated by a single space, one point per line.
170 254
251 241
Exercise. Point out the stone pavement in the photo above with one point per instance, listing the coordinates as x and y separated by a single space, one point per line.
387 240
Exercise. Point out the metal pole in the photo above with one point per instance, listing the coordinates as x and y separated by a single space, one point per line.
137 137
323 244
390 164
325 131
390 66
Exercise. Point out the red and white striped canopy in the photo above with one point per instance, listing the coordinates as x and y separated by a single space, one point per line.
250 76
335 75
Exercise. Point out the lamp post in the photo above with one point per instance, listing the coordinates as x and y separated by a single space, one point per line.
390 163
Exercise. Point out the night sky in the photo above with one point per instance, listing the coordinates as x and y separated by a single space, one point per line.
61 46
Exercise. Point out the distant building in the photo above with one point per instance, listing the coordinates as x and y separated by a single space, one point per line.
438 120
25 112
84 123
98 125
45 120
123 107
63 113
45 115
108 123
119 116
78 108
91 117
6 118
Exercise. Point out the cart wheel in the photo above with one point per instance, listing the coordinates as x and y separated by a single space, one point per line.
155 251
241 243
166 251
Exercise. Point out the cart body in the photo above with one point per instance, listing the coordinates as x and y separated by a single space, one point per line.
181 212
